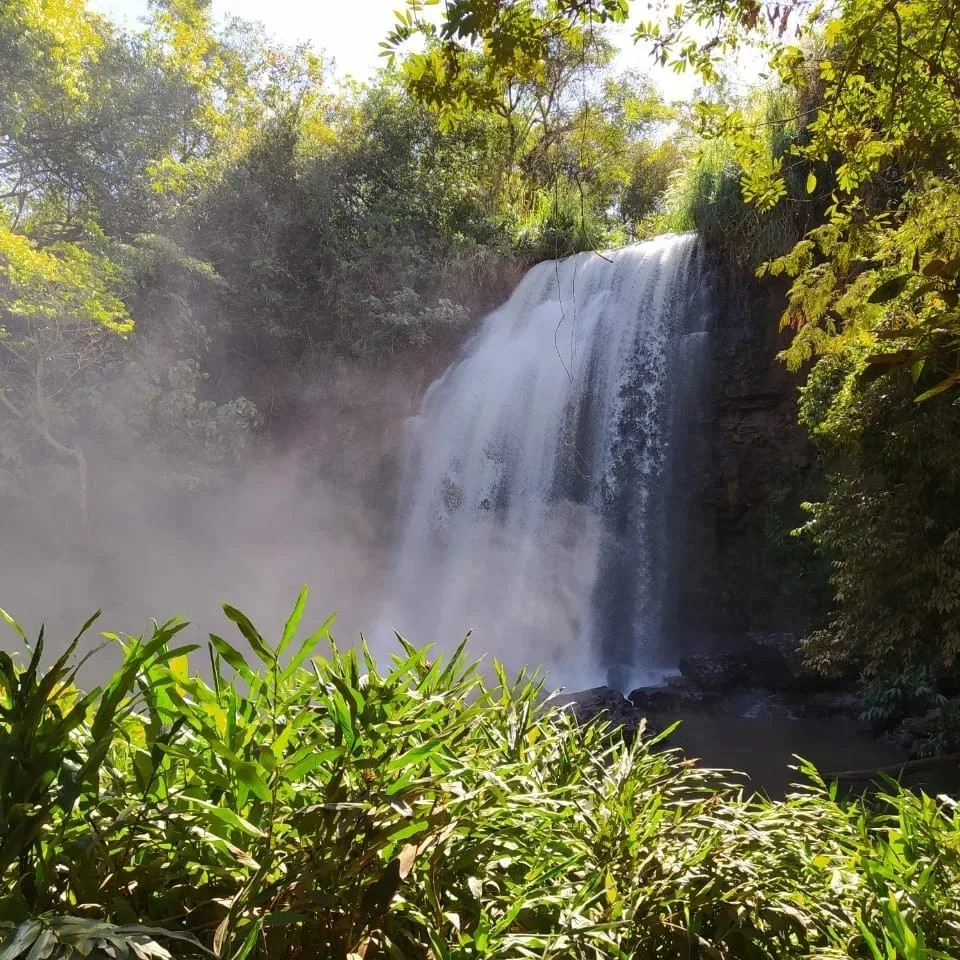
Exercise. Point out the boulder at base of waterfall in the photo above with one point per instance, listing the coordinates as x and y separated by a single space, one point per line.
606 704
675 693
776 662
717 673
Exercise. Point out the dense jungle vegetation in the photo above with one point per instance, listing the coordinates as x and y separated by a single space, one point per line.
197 225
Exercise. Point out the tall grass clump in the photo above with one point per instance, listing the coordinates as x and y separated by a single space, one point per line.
559 222
305 801
705 190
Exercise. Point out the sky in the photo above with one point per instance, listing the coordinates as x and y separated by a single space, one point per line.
350 32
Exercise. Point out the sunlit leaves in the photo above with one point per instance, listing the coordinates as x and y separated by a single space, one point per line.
65 937
541 74
761 183
886 126
64 30
337 806
61 280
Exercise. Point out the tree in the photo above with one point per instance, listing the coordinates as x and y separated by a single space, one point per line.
88 115
652 166
890 520
344 247
569 125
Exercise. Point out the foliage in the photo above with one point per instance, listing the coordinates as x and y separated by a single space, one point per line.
908 692
68 938
652 168
568 125
323 805
344 248
100 352
559 224
871 136
709 192
890 518
874 291
912 697
945 736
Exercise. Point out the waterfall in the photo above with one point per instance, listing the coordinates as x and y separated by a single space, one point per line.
539 478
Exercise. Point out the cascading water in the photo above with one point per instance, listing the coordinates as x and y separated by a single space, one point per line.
538 488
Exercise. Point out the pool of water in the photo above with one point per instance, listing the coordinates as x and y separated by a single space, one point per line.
765 749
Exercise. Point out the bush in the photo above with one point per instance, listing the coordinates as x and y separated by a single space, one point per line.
888 699
559 223
327 807
890 520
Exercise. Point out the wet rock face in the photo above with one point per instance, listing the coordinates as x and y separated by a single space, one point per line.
716 673
742 569
775 662
674 694
607 704
669 701
767 679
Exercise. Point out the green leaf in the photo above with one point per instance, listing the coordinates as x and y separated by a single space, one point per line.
941 387
926 288
13 624
232 656
18 940
43 946
950 269
308 646
225 816
248 775
313 761
251 634
811 182
293 622
871 941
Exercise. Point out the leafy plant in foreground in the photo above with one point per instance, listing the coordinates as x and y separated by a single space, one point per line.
295 805
70 938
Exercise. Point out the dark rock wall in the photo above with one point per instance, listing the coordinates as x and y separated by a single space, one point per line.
740 568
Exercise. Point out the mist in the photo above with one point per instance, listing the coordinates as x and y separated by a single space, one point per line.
316 509
534 619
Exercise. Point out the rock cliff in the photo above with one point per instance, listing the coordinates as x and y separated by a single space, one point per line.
740 568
